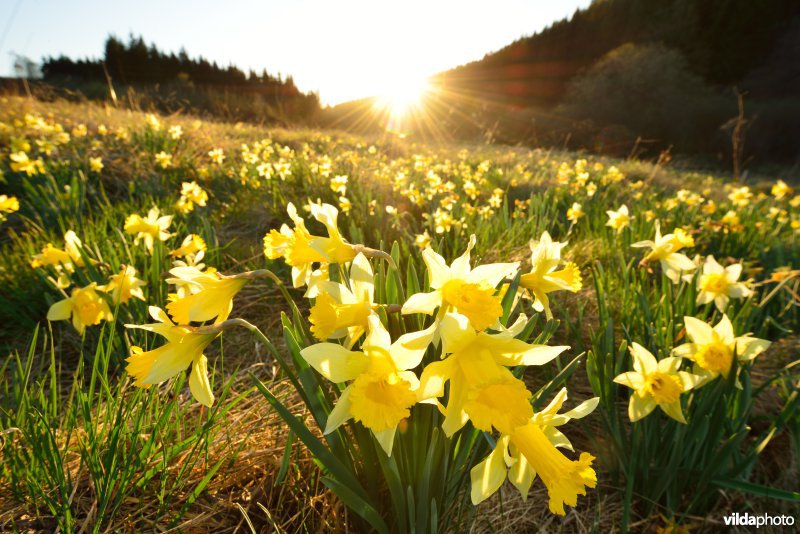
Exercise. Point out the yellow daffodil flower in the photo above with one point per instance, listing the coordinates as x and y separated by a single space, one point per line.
382 390
575 212
20 162
544 278
124 286
184 347
192 245
655 383
524 454
620 219
712 349
482 389
67 258
334 248
84 305
96 164
781 189
294 245
470 292
164 160
665 250
740 196
720 284
149 228
211 295
217 156
191 195
8 205
422 240
341 312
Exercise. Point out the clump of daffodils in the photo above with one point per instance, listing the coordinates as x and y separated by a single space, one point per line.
461 362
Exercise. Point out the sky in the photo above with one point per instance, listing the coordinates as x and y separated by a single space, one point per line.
342 49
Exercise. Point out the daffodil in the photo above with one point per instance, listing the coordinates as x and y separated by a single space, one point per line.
665 250
781 189
164 160
720 284
148 229
124 286
470 292
334 248
67 258
382 389
341 312
655 383
191 194
184 347
712 349
192 245
482 389
575 212
96 164
740 196
544 278
210 297
8 205
294 245
217 156
20 162
84 305
620 219
524 454
423 240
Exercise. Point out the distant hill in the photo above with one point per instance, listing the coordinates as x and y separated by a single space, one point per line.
722 40
623 76
171 81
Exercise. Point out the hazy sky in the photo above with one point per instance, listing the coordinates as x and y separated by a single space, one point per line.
342 49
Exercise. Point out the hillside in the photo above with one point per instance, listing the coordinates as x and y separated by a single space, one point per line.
723 41
115 223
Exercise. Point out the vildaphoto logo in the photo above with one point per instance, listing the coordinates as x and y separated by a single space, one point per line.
743 520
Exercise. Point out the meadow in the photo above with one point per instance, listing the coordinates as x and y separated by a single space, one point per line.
223 327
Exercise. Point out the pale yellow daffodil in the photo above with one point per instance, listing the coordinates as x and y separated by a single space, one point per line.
210 295
294 245
460 288
149 229
124 286
720 284
524 454
341 312
84 305
184 347
655 383
665 250
482 389
382 388
620 219
544 278
712 349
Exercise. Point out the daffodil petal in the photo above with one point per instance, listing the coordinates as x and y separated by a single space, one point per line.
60 311
488 476
198 382
335 362
423 303
340 413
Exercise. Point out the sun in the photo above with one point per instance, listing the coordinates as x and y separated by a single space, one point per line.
403 96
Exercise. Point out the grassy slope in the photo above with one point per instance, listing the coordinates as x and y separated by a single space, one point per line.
240 442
